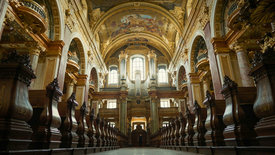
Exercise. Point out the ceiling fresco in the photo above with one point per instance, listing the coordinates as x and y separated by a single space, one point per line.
105 5
136 23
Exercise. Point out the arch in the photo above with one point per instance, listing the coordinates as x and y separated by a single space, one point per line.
194 40
76 43
94 78
58 19
217 19
153 40
83 50
181 76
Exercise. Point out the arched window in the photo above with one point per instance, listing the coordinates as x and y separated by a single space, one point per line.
137 64
162 74
113 75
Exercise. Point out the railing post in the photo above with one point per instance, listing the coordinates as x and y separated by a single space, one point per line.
182 129
82 127
92 130
69 125
189 128
46 121
214 121
199 127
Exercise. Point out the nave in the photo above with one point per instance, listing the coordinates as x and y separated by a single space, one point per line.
88 76
144 151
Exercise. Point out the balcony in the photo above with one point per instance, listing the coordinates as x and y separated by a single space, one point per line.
32 14
233 21
72 64
202 62
104 112
172 111
183 84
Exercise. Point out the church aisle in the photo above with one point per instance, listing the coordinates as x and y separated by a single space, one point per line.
143 151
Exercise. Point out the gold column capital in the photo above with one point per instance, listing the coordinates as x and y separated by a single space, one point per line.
123 55
151 54
238 46
194 78
82 79
55 48
220 45
34 48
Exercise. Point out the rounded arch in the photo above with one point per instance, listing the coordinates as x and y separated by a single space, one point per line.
94 80
198 34
153 40
83 50
78 47
57 19
218 15
181 76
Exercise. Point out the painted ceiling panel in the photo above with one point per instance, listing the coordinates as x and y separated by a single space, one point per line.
105 5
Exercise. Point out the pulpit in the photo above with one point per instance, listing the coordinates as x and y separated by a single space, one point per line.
138 136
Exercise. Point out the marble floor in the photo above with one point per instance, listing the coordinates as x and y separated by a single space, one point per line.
143 151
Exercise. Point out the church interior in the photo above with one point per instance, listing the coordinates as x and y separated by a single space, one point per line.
95 76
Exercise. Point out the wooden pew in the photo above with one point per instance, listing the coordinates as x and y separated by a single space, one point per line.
46 119
214 121
199 127
68 127
82 129
239 117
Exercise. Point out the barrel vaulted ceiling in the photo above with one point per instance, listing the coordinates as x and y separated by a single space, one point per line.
156 23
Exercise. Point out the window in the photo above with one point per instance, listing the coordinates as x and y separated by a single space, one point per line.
111 104
137 64
165 124
162 75
113 76
164 103
142 126
112 124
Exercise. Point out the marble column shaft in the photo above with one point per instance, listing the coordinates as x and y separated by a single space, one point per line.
154 115
244 66
123 115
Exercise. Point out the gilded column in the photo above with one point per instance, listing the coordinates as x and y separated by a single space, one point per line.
154 114
70 89
80 89
123 115
195 89
53 54
243 64
34 52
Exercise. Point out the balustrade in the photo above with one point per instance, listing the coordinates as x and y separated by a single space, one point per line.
39 127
